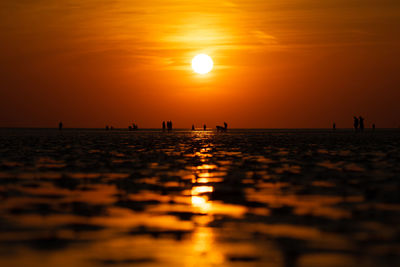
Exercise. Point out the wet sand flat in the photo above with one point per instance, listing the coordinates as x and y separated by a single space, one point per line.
201 198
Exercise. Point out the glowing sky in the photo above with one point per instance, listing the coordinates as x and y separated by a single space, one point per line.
277 63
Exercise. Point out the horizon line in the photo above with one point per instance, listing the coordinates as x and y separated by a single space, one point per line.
189 128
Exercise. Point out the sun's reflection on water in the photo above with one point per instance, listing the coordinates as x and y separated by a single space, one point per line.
201 201
203 239
197 190
204 246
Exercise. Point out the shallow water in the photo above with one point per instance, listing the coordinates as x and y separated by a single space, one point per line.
242 198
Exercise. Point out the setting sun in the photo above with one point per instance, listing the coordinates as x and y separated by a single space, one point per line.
202 64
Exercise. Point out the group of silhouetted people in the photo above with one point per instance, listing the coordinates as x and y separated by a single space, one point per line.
134 127
169 125
109 128
358 124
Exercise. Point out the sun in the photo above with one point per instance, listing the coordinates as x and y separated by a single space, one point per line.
202 64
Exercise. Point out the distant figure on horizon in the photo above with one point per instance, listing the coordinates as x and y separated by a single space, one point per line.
192 127
204 127
373 127
60 126
334 126
111 128
107 128
222 129
163 126
355 123
361 119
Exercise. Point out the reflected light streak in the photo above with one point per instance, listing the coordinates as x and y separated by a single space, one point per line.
205 175
201 202
197 190
202 180
204 246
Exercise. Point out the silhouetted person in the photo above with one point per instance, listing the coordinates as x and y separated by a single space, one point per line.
111 128
373 127
361 119
163 125
355 123
334 126
60 126
205 127
192 127
107 128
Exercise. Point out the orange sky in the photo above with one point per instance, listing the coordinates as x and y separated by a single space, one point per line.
278 63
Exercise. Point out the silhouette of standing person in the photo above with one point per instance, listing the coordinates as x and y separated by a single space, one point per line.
60 126
355 123
163 126
361 119
334 126
204 127
192 127
373 127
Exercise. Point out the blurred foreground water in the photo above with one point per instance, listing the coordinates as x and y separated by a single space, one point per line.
242 198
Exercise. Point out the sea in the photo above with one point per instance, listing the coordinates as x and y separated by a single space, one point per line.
245 197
